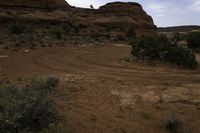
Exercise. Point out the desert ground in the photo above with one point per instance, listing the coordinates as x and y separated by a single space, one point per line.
100 92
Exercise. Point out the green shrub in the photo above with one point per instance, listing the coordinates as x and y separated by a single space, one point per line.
152 47
66 29
58 32
52 82
95 35
108 36
1 42
173 124
120 37
5 47
182 57
26 108
193 40
17 28
177 37
83 26
131 32
108 29
76 29
159 47
50 6
91 6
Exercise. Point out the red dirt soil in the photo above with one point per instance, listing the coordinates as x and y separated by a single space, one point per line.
106 94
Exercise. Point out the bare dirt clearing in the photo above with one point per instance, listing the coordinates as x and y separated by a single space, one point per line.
104 94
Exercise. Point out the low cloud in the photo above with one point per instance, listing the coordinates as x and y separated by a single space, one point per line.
195 6
162 9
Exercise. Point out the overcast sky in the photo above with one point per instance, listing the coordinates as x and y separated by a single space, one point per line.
164 12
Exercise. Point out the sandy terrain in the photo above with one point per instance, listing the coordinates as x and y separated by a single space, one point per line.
100 93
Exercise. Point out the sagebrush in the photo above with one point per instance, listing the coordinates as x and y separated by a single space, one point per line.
193 41
160 48
26 108
17 28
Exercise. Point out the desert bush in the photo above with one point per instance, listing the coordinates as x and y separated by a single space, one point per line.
76 29
52 82
17 44
108 36
26 108
43 45
152 47
181 56
89 39
50 6
108 29
193 40
83 26
95 35
17 28
5 47
66 29
120 37
131 32
177 37
57 128
91 6
1 42
175 124
160 48
172 123
58 32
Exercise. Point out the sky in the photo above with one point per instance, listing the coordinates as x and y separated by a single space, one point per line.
164 12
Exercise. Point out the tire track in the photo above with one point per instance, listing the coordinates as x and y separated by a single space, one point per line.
78 63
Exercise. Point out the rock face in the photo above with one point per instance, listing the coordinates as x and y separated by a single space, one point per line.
113 20
117 17
34 3
129 14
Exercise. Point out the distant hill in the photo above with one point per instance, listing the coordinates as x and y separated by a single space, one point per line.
187 28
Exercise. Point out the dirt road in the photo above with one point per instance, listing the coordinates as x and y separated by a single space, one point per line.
102 93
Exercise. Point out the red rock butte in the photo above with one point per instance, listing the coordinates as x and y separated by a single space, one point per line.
117 16
33 3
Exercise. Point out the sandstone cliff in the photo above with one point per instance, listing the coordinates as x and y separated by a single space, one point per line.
126 15
34 3
112 21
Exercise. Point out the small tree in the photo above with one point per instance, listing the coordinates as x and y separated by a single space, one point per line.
17 28
120 37
91 6
66 29
58 32
172 123
152 47
50 6
193 40
176 38
131 32
27 108
159 47
181 56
